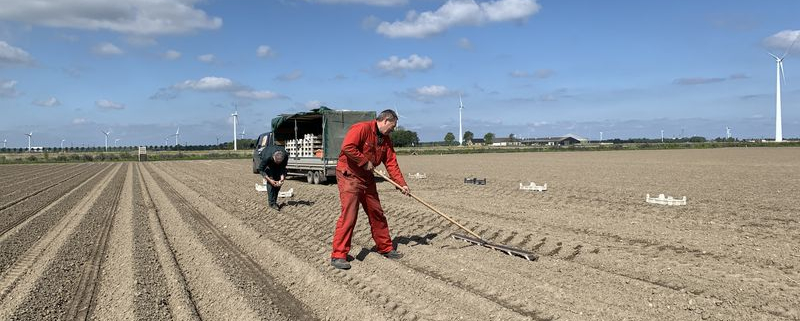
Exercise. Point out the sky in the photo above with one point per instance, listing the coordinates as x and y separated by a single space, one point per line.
141 69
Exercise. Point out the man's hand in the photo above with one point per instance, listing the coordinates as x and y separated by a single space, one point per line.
368 166
405 190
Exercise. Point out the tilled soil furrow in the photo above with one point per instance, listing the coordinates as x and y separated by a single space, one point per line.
36 191
13 185
309 282
12 173
114 292
696 282
18 239
83 299
283 302
158 276
405 306
39 288
213 293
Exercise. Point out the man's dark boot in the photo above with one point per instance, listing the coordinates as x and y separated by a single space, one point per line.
394 255
341 264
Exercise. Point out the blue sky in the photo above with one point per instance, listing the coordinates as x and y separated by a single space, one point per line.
71 68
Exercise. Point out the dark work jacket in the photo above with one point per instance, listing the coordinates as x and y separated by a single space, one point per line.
268 167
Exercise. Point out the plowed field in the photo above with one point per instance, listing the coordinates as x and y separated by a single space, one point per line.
193 240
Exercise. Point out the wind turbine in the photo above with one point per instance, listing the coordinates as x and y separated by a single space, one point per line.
4 142
29 140
460 130
106 133
235 120
177 135
601 137
115 142
62 144
778 75
241 136
727 132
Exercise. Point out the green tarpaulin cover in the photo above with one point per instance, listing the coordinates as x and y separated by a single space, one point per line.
331 125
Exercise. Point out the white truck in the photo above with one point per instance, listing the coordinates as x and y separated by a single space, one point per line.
313 140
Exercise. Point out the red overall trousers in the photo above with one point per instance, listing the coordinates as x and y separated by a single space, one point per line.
354 190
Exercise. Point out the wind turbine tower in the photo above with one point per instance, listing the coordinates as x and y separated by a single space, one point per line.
727 132
4 142
177 134
62 144
460 129
115 142
778 75
601 137
29 140
106 133
241 136
235 121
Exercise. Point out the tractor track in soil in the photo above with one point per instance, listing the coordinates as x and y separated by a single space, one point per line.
193 240
69 283
21 210
11 185
699 289
37 189
305 235
241 264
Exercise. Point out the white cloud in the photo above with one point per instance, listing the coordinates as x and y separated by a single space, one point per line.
107 104
106 48
457 13
384 3
264 51
215 84
8 89
256 94
413 62
50 102
292 76
207 84
782 40
209 58
137 17
12 55
171 55
428 93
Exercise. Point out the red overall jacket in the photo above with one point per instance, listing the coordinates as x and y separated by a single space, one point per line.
360 145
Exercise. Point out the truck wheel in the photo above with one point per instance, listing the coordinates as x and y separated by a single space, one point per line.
310 177
316 177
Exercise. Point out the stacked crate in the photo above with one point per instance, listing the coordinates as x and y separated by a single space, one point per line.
304 147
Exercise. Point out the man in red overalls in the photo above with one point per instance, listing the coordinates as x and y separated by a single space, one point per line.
366 145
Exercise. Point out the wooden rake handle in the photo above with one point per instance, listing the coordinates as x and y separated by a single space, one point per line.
430 207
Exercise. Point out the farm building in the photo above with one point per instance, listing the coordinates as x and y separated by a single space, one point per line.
566 140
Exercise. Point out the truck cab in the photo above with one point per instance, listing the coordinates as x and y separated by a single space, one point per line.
262 142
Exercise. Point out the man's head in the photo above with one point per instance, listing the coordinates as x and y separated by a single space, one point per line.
277 156
386 120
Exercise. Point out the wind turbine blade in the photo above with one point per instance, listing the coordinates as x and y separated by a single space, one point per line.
780 66
773 56
790 46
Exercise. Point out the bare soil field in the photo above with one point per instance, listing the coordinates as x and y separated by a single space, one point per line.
192 240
